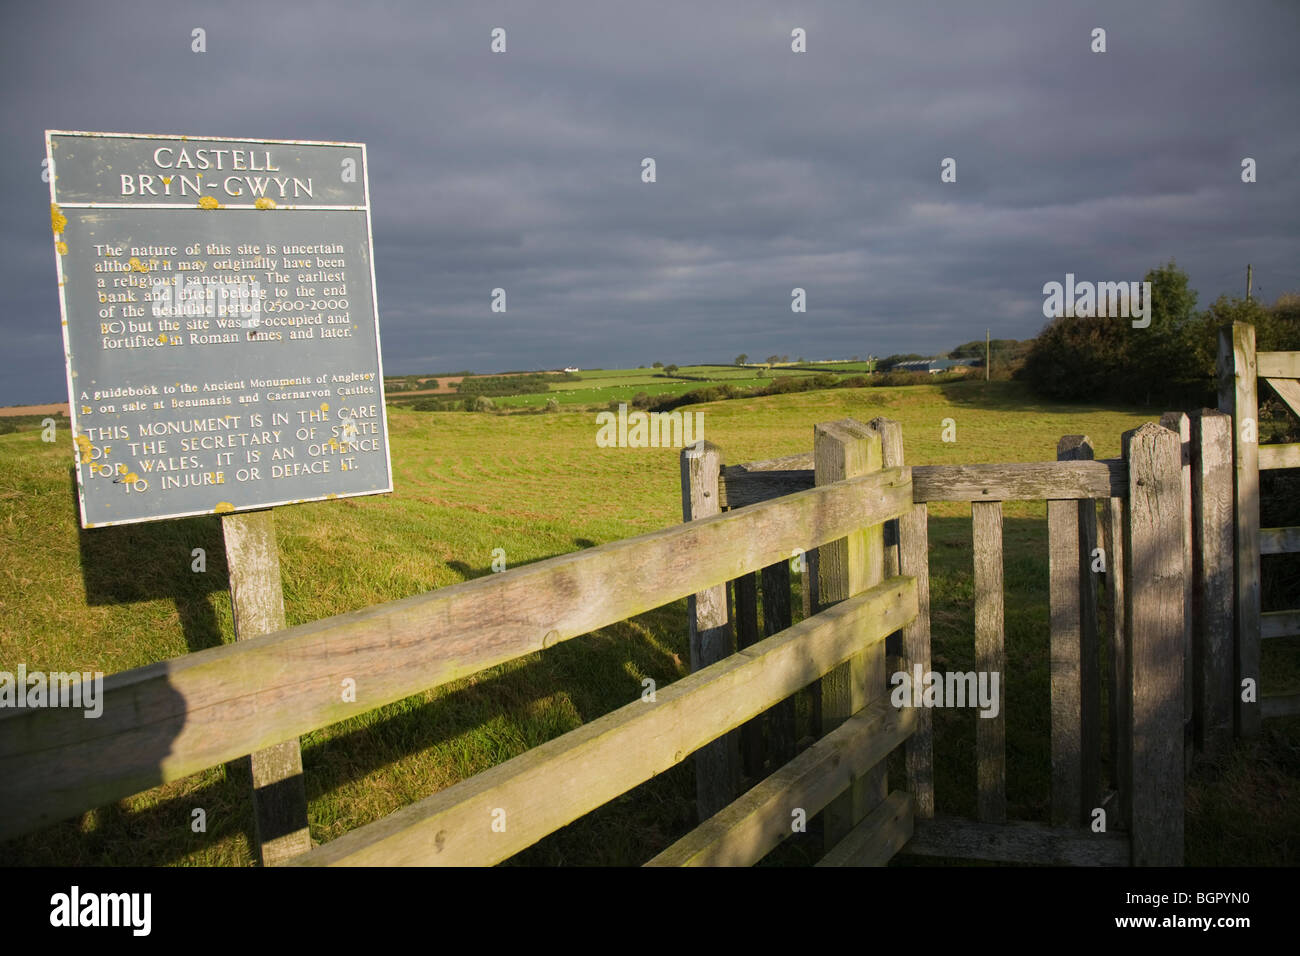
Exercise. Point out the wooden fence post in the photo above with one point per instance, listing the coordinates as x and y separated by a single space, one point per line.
717 764
1075 674
256 598
847 449
910 555
1212 579
1181 425
1238 396
1154 614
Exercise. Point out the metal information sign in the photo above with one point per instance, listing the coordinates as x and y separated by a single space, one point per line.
220 323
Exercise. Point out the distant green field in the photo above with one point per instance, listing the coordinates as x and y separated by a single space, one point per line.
536 486
602 386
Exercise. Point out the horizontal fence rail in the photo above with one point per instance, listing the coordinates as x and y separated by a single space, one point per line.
755 482
552 785
172 719
751 827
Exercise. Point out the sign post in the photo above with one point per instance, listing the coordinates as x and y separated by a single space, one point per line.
220 329
279 792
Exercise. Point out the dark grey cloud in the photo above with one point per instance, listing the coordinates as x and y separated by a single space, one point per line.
776 170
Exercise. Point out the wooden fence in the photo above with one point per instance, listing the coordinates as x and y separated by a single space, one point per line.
1144 576
1240 368
859 517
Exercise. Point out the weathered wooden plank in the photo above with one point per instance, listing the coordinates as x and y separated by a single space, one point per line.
843 450
799 461
1280 624
1278 364
1181 425
1027 481
777 616
882 833
1288 389
540 791
257 602
1279 456
1238 397
1079 448
751 734
717 765
741 487
171 719
990 658
1073 719
1279 540
1279 705
1017 843
1119 700
1154 557
914 561
748 829
1019 481
891 453
907 545
1212 590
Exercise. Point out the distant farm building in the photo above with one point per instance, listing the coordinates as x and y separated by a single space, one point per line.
933 366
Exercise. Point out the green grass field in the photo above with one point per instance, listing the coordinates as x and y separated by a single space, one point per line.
536 486
599 387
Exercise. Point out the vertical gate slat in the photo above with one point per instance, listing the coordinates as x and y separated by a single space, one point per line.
1075 677
751 732
907 551
1154 612
847 449
1181 425
1238 397
717 765
1212 573
1117 662
990 658
777 617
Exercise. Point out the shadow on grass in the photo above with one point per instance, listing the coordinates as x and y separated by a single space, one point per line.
153 561
1015 397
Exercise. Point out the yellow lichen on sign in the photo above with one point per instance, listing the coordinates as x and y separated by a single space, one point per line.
264 202
209 202
62 248
58 221
223 507
137 266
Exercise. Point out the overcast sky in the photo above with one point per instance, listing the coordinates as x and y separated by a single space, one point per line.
775 169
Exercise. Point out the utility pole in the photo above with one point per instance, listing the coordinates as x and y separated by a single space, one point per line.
1248 271
988 355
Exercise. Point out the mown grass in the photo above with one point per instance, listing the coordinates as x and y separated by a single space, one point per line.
536 486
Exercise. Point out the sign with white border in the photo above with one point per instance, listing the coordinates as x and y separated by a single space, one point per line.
220 323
